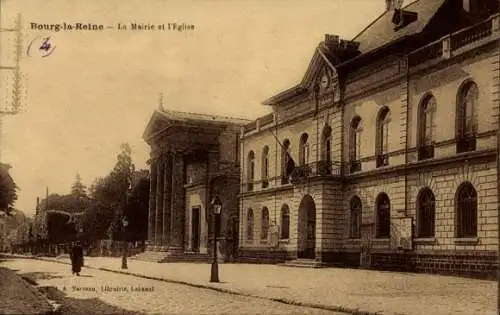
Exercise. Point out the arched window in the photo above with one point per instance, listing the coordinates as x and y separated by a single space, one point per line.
250 224
304 149
426 115
355 144
285 222
326 144
426 213
251 170
286 162
264 226
382 136
383 211
466 203
265 167
466 117
356 209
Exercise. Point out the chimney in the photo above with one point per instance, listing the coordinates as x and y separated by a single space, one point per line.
331 39
391 5
466 5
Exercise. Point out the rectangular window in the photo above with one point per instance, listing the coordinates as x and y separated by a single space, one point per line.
266 167
428 129
358 145
285 229
355 224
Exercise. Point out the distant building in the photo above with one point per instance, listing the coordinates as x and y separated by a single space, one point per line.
194 157
385 154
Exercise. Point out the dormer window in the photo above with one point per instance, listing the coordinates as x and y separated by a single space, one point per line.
401 18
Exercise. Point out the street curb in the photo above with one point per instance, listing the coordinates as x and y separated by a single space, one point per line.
228 291
234 292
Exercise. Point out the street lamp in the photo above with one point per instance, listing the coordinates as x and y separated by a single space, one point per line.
217 205
125 243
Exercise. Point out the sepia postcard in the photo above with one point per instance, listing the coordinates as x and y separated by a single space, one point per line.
250 157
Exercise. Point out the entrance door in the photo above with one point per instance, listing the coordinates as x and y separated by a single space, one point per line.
311 235
307 229
195 229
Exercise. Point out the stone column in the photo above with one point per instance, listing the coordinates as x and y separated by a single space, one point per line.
159 202
167 198
177 216
152 204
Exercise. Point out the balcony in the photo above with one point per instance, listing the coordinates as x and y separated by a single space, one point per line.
471 34
425 152
354 166
249 186
382 160
315 169
447 46
265 183
466 144
285 180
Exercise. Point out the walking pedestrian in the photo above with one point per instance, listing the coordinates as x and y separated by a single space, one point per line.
76 256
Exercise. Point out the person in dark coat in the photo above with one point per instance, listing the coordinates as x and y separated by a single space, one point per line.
76 256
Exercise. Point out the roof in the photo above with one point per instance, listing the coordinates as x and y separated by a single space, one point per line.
188 116
319 58
381 31
377 34
162 119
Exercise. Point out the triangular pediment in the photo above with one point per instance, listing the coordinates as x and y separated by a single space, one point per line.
321 71
157 123
320 67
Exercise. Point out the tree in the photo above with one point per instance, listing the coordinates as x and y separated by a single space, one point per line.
109 197
78 189
137 210
100 211
8 189
121 178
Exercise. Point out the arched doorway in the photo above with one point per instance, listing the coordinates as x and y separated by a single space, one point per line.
306 244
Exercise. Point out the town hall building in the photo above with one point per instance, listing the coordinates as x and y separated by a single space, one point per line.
385 153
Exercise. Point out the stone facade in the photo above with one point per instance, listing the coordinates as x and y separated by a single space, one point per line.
389 124
193 159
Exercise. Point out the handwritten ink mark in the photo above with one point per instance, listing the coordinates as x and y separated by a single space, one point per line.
45 49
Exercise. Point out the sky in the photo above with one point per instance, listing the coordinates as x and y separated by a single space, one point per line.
98 88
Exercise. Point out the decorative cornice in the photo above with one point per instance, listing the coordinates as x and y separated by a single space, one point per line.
444 161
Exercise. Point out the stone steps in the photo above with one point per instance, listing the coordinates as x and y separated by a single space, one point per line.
303 263
171 256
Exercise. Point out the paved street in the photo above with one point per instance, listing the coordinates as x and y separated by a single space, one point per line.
101 292
336 288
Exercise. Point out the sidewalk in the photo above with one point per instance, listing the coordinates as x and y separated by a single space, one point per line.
352 290
18 297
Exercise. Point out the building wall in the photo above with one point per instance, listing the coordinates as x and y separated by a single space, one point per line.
228 146
389 83
368 108
444 84
273 137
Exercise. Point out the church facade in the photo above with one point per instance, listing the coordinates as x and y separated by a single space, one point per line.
385 154
194 157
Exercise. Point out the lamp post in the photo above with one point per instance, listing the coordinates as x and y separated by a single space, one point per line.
125 243
217 205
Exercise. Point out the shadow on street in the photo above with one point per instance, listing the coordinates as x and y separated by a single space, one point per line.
81 306
71 305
